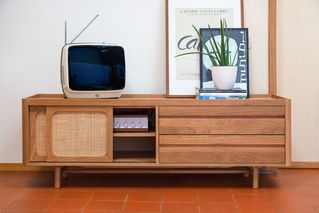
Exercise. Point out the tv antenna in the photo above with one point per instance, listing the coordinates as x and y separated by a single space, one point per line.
80 33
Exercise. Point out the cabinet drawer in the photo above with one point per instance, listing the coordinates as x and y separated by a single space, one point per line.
223 155
222 140
222 111
196 126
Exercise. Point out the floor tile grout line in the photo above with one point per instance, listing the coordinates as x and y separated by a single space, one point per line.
235 201
298 193
87 203
271 201
312 206
17 198
51 201
6 208
269 193
161 204
125 201
197 199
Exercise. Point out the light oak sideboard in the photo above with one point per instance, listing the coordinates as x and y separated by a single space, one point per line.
185 135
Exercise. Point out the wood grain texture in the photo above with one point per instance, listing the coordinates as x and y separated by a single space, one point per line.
167 47
222 111
157 134
126 96
38 134
134 160
25 131
242 7
222 140
223 155
134 134
22 167
42 167
196 126
152 101
153 165
272 46
190 134
288 133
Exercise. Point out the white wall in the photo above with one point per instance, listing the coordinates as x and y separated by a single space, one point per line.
298 72
32 34
31 38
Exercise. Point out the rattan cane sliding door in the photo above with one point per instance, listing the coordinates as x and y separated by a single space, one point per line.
79 134
38 132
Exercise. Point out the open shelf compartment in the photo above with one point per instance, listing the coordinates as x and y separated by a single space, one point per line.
130 145
128 113
134 149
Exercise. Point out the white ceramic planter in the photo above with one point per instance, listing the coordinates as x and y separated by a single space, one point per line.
224 77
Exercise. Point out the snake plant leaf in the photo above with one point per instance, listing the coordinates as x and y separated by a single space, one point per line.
215 46
222 49
192 53
220 54
227 51
233 62
204 45
212 58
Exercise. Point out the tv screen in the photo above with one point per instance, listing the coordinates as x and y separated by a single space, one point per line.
96 68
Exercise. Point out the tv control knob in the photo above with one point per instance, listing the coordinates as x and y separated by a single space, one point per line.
133 125
140 125
125 124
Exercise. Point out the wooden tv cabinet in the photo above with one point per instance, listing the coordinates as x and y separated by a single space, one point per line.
185 135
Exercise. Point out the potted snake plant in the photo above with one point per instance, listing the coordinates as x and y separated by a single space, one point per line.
224 69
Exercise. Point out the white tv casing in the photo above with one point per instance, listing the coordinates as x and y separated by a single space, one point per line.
65 77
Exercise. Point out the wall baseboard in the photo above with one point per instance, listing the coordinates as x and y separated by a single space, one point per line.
22 167
304 165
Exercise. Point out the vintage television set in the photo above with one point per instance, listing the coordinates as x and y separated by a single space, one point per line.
92 70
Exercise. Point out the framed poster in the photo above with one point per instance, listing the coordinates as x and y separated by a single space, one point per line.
183 73
238 48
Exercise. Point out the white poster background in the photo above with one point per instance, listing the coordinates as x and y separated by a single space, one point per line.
187 87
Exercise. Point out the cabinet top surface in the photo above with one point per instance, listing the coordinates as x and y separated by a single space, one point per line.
151 100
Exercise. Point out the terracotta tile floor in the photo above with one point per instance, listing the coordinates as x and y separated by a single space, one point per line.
290 191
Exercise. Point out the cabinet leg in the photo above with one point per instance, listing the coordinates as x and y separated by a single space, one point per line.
255 178
57 177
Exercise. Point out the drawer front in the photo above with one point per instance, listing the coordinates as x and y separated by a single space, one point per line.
222 111
222 140
224 126
223 155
